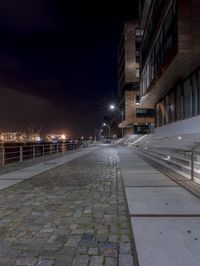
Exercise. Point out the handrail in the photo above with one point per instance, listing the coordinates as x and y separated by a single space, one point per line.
192 160
19 153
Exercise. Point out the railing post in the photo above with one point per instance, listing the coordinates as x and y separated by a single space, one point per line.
57 148
33 151
192 164
21 154
43 150
3 156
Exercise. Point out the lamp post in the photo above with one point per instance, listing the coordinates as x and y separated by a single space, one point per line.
113 107
105 125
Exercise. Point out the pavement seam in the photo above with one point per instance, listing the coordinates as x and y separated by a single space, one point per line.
165 215
133 243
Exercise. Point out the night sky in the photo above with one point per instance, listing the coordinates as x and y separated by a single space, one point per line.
58 64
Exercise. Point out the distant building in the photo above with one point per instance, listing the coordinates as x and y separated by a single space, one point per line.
13 137
170 64
137 120
19 137
54 137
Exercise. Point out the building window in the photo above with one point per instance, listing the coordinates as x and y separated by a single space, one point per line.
159 112
187 99
172 106
198 90
137 59
138 32
194 95
183 101
137 99
179 102
152 60
137 73
145 113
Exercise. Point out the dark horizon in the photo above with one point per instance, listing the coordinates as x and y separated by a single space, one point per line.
58 64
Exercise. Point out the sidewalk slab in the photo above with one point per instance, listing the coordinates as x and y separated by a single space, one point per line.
8 183
167 241
139 170
161 200
125 164
156 179
165 217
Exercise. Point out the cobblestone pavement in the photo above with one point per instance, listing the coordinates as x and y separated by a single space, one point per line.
75 214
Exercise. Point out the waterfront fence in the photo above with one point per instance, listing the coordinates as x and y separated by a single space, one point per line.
10 153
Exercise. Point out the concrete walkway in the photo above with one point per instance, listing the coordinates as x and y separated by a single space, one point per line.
165 217
14 177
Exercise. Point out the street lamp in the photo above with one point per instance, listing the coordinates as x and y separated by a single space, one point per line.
113 107
105 125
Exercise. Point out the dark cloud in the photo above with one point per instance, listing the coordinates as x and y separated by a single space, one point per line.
22 109
26 16
58 63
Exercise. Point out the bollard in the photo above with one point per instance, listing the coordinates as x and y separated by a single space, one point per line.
33 151
43 151
21 154
3 156
192 164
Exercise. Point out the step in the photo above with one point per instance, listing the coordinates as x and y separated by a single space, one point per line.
177 167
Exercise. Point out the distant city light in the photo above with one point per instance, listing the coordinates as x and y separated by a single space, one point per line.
63 137
179 137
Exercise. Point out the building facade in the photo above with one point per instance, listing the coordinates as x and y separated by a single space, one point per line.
170 64
137 120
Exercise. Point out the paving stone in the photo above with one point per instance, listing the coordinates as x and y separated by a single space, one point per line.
26 261
67 250
108 250
7 262
125 248
93 251
45 262
96 261
75 213
63 260
82 250
73 241
125 260
81 260
111 262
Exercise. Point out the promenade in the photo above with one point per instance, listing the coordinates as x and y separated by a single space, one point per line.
96 207
72 214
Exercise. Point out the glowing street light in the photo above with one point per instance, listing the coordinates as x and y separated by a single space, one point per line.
113 107
105 125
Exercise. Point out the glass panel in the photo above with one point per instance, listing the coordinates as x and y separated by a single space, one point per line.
179 103
194 95
171 111
187 98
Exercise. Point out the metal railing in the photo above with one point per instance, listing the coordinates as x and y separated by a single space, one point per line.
194 149
18 153
181 152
